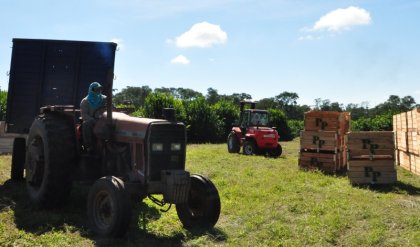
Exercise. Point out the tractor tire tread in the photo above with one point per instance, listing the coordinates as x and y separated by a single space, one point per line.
60 142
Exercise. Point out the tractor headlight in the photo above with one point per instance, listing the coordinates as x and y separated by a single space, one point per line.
157 147
175 146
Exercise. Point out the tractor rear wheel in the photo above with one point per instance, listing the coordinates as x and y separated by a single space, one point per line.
249 148
233 143
49 159
18 159
275 152
203 207
108 208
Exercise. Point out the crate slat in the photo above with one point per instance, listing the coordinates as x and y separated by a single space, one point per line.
370 163
372 177
327 121
321 141
325 162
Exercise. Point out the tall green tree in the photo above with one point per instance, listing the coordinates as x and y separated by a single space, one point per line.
212 96
395 104
132 95
327 105
287 102
267 103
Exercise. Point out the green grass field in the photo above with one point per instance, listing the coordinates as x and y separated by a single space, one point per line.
265 202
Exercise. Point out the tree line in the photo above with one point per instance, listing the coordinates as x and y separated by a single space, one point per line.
209 117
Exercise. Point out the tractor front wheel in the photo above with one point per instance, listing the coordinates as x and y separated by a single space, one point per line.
249 148
233 143
275 152
108 207
203 207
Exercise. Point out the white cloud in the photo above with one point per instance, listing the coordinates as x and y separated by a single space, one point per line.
202 35
417 92
180 59
342 19
119 42
310 37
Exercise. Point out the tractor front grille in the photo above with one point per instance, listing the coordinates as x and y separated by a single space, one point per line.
167 138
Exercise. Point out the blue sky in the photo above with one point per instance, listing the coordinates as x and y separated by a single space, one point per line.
345 51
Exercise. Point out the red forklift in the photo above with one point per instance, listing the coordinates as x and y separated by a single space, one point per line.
253 133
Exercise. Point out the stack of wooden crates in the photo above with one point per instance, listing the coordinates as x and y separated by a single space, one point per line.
371 157
322 141
406 127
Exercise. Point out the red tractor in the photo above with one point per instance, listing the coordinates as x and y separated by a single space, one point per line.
133 159
254 133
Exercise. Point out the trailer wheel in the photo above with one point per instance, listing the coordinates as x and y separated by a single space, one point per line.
203 207
108 208
275 152
18 159
249 148
233 143
49 159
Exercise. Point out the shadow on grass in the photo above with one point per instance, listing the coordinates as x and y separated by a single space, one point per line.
398 188
71 218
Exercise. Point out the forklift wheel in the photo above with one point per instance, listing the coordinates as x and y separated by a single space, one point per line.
233 143
108 207
249 148
275 152
203 207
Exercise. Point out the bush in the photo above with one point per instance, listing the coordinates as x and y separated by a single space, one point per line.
227 112
278 120
378 123
3 104
296 126
202 122
154 104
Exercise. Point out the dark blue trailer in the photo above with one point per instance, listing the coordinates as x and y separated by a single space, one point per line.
53 72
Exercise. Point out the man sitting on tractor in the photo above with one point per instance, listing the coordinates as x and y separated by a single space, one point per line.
91 107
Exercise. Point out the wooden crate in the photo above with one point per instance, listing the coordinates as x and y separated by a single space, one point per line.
413 120
404 160
415 164
404 123
417 116
397 122
394 123
370 145
401 141
413 142
327 121
372 171
321 141
325 162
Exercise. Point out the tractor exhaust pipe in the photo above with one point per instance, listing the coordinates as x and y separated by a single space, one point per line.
109 82
169 114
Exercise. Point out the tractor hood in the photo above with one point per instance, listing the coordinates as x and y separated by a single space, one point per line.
125 128
262 132
265 130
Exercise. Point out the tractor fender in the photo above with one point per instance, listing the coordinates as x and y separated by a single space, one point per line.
249 136
237 131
